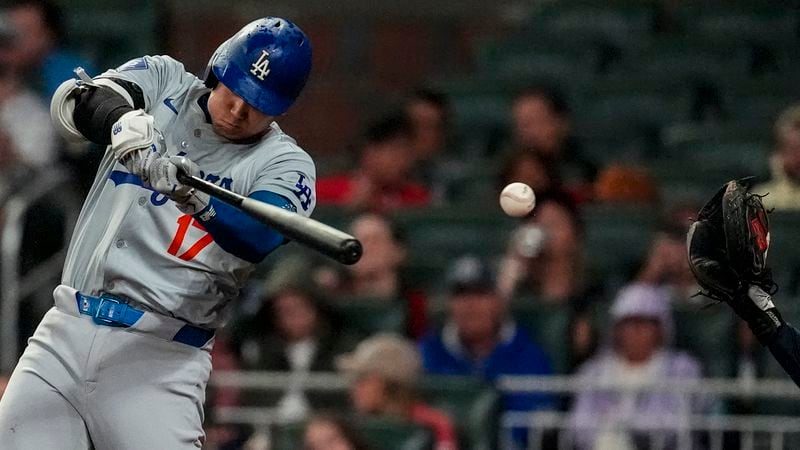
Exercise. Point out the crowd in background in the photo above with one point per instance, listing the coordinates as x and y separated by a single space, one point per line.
297 317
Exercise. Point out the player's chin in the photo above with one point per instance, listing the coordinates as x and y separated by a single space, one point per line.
230 132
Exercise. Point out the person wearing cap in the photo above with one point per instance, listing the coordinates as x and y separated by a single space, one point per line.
636 353
384 370
479 337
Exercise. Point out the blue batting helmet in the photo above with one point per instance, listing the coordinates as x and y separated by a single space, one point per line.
266 64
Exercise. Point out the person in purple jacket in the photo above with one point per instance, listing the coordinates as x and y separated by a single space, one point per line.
637 352
479 338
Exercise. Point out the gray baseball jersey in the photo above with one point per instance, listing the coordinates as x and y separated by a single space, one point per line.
133 242
83 385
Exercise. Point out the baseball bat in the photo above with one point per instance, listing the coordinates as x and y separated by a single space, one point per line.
317 235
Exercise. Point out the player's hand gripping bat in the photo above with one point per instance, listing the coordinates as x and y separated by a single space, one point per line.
323 238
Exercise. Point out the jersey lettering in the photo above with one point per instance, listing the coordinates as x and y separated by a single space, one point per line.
158 199
303 192
260 68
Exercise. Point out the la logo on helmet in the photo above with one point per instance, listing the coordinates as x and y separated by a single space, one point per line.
260 68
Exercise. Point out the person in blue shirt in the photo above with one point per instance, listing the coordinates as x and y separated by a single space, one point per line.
480 338
38 51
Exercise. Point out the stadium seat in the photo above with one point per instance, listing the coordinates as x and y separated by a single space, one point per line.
473 405
628 113
112 32
384 434
784 253
369 316
620 23
480 121
759 107
683 58
707 334
616 240
570 60
732 158
548 326
686 133
740 21
435 237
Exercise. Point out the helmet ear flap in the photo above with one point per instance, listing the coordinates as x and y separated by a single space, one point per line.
209 78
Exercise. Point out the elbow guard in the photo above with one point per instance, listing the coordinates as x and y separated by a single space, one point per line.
86 109
62 106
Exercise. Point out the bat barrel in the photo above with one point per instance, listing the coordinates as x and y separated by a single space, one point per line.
350 252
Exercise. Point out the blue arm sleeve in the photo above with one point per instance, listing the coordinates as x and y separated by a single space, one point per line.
241 235
785 347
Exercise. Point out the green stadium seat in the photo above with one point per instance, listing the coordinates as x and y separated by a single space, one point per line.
473 405
736 158
435 237
384 434
616 240
784 253
476 184
369 316
686 133
566 58
480 121
684 59
740 21
630 111
112 32
759 108
621 22
548 325
707 334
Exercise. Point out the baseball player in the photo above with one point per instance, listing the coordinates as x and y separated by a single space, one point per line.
122 360
727 247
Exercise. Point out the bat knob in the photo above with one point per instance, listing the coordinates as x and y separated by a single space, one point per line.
350 252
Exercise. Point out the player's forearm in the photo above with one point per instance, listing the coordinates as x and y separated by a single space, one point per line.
785 347
240 234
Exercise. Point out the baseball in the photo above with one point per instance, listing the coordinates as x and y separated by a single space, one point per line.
517 199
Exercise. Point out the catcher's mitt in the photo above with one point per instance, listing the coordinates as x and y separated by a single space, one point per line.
727 246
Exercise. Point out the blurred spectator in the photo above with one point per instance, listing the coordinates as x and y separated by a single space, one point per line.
784 187
378 275
544 255
623 183
329 432
667 266
542 124
27 138
302 339
385 370
637 353
428 111
383 180
480 338
38 51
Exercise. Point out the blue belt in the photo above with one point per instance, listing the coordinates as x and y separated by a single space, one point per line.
113 312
